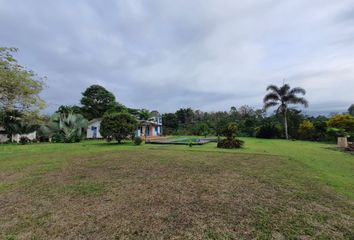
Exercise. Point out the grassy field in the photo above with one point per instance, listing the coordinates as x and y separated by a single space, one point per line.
271 189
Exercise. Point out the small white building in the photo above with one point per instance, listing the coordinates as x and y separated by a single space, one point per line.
15 137
93 129
3 135
147 128
151 127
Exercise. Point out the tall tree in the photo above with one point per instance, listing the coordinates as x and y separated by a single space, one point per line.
19 87
283 97
97 100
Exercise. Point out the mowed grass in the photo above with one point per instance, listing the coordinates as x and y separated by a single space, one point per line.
271 189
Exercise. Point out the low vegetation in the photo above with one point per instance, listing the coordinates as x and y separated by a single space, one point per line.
230 141
269 189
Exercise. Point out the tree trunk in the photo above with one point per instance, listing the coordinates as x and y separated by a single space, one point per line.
286 124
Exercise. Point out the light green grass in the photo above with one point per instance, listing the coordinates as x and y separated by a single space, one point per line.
321 161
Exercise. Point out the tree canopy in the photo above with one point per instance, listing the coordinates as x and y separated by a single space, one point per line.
118 126
19 87
96 101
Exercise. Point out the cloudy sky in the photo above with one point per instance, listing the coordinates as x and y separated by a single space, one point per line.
207 54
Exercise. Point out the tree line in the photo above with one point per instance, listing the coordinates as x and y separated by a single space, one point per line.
20 106
253 122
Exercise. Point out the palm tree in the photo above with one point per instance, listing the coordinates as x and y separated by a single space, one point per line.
144 114
282 97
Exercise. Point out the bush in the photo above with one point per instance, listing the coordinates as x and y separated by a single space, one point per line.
230 143
342 121
138 140
24 140
118 126
307 130
43 139
268 131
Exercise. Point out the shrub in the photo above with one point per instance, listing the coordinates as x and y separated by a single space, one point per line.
24 140
64 128
337 132
118 126
138 140
230 143
307 130
231 130
43 139
344 121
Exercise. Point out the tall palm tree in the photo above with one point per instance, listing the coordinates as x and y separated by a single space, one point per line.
282 97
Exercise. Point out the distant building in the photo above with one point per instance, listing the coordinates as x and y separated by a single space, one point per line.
146 128
151 127
15 137
93 129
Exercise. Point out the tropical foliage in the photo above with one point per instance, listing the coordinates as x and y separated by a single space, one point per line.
230 132
65 127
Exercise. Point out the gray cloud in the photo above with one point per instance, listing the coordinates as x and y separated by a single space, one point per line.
207 54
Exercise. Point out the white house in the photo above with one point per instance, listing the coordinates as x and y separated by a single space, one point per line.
147 128
15 137
151 127
3 135
93 129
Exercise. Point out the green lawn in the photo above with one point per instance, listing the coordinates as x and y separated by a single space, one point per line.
269 189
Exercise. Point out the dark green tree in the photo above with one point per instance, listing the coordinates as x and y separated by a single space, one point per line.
351 110
170 123
118 126
200 128
96 101
283 97
69 109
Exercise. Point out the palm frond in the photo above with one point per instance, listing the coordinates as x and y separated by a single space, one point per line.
298 100
297 90
272 96
284 90
273 88
270 104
